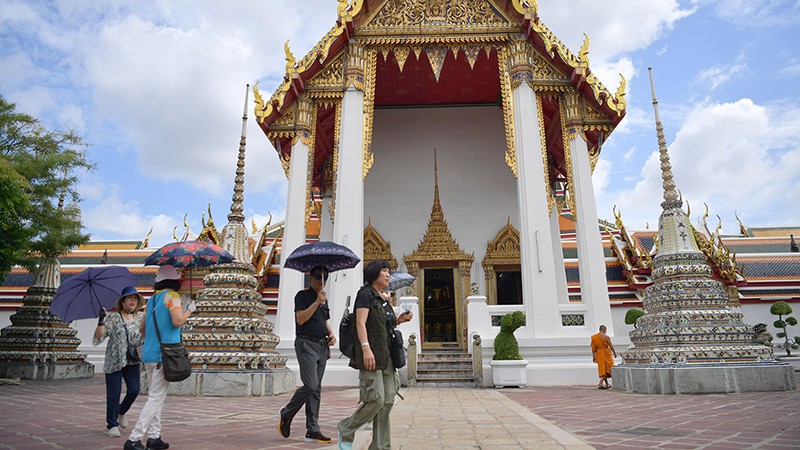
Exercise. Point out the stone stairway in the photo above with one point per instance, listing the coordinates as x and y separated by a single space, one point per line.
445 369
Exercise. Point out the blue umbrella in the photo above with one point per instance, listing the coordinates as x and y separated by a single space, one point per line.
83 295
399 280
327 254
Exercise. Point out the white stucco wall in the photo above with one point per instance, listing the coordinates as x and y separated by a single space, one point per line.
477 190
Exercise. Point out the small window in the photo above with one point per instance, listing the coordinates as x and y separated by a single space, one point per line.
509 287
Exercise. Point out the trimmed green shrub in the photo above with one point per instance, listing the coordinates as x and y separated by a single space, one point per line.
506 346
782 309
632 316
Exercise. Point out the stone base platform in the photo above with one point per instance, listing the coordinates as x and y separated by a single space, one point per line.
46 371
235 384
703 378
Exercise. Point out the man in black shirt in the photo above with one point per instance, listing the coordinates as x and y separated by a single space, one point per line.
313 337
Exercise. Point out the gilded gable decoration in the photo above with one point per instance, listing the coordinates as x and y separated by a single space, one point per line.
369 109
503 250
376 247
503 57
433 13
401 55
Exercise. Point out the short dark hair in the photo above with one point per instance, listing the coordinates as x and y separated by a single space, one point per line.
602 327
373 269
175 285
322 269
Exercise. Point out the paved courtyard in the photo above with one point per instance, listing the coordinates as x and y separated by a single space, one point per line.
69 414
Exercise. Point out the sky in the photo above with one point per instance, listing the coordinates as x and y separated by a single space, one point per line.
156 90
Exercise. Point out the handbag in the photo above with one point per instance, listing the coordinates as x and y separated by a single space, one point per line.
132 354
174 357
397 351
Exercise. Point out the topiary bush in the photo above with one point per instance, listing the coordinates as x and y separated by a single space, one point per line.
782 309
506 346
632 316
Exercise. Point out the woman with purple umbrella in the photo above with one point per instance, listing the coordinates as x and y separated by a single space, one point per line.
121 327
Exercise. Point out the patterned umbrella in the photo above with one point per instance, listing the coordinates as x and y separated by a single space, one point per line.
82 295
327 254
399 280
189 254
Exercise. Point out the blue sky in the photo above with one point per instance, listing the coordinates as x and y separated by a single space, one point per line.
157 88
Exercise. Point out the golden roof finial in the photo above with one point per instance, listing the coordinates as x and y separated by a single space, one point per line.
253 224
269 220
688 209
291 62
742 229
620 104
175 233
262 110
146 241
186 225
210 218
583 53
341 9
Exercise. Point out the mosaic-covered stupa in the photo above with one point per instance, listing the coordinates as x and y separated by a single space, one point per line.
38 345
688 323
231 342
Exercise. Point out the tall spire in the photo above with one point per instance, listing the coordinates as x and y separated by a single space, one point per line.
671 198
437 207
237 206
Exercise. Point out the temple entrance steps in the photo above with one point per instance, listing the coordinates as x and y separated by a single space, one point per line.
445 369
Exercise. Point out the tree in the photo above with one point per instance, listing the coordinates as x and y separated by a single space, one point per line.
632 316
38 171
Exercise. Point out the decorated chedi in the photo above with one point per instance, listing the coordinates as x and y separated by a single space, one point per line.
38 345
231 343
690 340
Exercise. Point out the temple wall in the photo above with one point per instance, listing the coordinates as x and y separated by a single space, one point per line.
476 188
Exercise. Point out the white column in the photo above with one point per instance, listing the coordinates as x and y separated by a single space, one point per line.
294 235
558 256
591 262
348 226
539 285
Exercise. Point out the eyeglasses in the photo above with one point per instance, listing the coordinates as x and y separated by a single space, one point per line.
318 276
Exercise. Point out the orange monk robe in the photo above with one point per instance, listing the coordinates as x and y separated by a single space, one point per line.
603 355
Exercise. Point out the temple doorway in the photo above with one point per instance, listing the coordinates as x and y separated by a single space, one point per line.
438 308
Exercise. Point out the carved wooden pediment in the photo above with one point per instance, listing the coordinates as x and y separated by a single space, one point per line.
376 247
432 13
503 250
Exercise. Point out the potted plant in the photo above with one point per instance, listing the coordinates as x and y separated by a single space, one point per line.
782 310
508 367
632 316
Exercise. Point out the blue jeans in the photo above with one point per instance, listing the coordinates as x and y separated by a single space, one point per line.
114 389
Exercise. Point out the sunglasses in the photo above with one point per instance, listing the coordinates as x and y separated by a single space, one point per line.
318 276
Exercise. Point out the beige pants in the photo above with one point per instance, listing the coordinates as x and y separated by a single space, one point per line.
377 389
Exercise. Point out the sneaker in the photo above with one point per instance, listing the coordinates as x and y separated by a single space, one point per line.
284 425
123 421
131 445
156 444
344 445
113 432
316 436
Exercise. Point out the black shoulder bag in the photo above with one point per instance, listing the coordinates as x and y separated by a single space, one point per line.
174 357
132 354
396 350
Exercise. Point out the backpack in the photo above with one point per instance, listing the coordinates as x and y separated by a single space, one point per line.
347 332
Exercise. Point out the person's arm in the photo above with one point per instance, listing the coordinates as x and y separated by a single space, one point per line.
611 346
304 315
331 336
594 352
363 340
100 331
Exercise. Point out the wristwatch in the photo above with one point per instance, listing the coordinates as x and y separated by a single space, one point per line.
365 344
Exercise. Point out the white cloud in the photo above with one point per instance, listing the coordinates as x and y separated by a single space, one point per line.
763 13
719 74
791 70
601 175
612 34
629 154
737 155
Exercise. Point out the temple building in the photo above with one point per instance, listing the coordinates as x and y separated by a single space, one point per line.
457 140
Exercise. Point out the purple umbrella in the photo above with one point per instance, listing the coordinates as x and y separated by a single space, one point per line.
327 254
189 254
83 295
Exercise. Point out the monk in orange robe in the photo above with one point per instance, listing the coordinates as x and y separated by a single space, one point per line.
602 348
